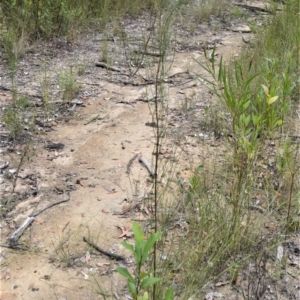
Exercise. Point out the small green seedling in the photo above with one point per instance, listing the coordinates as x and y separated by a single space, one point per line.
138 283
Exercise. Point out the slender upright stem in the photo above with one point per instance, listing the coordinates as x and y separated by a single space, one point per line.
157 143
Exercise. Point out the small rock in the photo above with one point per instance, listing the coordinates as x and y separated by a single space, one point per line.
4 165
213 295
242 28
246 39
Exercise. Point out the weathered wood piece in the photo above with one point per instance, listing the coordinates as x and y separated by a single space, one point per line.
254 8
143 161
130 163
107 67
110 255
50 205
13 239
155 54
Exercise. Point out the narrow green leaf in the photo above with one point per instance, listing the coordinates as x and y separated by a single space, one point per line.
266 90
212 60
272 100
144 257
206 80
246 105
132 289
169 294
137 256
149 281
247 121
144 297
220 69
127 246
251 79
202 66
151 241
143 275
124 272
254 120
138 234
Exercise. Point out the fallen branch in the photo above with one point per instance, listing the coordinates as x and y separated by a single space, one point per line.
13 239
146 164
153 99
111 255
17 247
254 8
4 88
105 66
50 205
148 53
130 163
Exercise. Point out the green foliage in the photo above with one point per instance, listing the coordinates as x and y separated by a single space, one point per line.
205 8
12 51
255 113
233 89
14 117
68 85
142 279
50 18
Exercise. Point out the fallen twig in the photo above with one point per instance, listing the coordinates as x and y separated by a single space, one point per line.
130 163
146 164
155 54
254 8
17 247
148 100
13 239
50 205
105 66
111 255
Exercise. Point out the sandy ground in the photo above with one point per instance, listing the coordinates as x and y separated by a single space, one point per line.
92 165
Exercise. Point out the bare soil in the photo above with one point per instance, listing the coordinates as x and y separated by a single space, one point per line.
92 166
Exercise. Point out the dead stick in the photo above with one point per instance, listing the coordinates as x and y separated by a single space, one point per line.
147 53
111 255
130 163
13 239
143 161
105 66
50 205
18 247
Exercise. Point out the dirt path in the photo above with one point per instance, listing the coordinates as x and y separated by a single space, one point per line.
92 167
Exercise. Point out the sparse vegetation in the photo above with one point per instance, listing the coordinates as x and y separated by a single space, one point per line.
226 209
67 83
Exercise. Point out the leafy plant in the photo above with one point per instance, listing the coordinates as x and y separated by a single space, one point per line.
68 85
142 279
233 89
14 117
